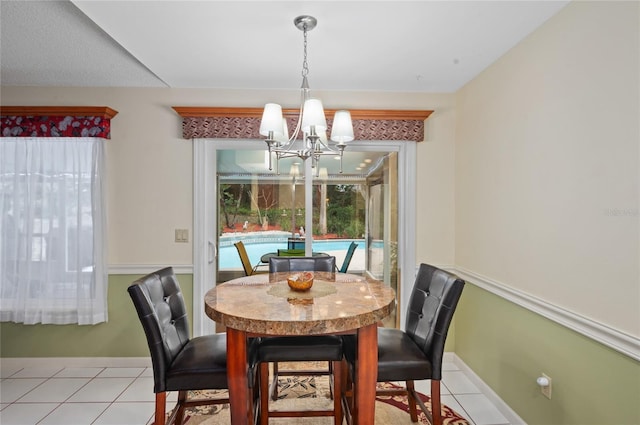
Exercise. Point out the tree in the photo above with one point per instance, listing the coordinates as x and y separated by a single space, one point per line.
268 202
230 201
344 216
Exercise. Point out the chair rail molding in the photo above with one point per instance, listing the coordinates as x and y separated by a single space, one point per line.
142 269
622 342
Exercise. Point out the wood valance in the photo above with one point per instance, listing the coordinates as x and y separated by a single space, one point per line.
56 121
244 123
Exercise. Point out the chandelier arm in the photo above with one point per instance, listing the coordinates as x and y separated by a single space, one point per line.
303 97
287 146
269 143
291 140
331 150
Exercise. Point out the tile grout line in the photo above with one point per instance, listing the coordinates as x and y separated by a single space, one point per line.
141 374
468 416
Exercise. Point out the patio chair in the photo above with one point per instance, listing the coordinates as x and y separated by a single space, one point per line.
295 243
348 257
246 263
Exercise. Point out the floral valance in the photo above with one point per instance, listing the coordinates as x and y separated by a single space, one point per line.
56 121
244 123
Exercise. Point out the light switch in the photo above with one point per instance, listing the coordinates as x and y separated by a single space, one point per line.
182 235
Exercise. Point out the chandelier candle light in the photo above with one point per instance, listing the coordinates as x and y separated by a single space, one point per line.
311 121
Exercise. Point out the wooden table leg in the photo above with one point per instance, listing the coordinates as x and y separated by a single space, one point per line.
237 376
366 376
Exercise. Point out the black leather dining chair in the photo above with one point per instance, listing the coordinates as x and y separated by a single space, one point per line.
302 264
180 363
300 349
416 353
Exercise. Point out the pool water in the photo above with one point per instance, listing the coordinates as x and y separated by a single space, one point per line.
228 257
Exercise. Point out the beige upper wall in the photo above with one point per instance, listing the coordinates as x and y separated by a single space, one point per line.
547 160
150 169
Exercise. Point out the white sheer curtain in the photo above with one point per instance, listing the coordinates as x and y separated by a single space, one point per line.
53 230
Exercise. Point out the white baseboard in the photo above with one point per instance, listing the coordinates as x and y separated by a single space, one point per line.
486 390
12 362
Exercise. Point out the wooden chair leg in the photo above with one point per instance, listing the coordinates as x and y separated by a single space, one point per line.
161 409
337 391
436 406
264 393
182 397
347 390
411 400
254 402
274 383
330 367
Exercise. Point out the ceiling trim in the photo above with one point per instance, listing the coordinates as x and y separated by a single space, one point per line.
76 111
244 123
363 114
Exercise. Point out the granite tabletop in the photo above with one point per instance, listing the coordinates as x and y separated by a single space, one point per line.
264 304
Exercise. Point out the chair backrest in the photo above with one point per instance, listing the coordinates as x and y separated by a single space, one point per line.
162 312
244 257
433 301
291 252
302 264
347 258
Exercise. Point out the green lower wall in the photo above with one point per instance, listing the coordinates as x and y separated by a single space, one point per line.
509 346
121 336
506 345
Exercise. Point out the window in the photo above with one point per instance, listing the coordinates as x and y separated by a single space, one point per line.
52 250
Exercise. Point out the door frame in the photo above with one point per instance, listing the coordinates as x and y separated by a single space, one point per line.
205 205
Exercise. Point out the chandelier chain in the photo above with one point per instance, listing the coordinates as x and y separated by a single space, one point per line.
305 65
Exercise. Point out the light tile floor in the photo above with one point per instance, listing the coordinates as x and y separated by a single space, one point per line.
124 396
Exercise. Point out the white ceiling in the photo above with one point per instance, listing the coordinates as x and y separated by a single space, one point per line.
424 46
416 46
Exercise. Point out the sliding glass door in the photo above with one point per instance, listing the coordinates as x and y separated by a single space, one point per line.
382 224
242 201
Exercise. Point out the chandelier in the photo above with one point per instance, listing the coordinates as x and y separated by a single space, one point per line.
311 121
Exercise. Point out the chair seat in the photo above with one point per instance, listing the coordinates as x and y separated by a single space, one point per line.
300 348
399 357
201 364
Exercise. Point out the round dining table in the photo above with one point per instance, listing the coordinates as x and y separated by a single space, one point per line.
264 305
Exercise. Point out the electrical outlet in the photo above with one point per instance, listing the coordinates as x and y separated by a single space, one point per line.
546 390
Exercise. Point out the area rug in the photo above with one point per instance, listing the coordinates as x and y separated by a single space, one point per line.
312 393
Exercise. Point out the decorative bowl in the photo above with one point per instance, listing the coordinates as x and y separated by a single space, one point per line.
301 281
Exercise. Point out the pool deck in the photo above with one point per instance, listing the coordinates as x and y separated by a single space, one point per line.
357 261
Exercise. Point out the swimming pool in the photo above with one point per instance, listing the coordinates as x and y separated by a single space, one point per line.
228 257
